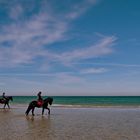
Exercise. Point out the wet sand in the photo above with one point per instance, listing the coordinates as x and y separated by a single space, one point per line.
71 124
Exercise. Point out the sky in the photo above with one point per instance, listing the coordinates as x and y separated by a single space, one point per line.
70 47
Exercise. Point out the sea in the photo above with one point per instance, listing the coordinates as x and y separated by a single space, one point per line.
83 101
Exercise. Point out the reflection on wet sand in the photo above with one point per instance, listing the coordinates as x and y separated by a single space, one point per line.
37 127
17 125
71 124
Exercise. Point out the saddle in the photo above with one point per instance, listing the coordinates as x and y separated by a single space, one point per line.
40 103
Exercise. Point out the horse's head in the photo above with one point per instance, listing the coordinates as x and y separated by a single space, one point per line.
10 98
50 100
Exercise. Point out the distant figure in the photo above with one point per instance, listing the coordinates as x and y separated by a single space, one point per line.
39 100
5 100
3 96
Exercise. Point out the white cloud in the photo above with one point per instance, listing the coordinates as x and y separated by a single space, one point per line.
80 8
56 82
68 79
16 12
26 39
103 47
94 71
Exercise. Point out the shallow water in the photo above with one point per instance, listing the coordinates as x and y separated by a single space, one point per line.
71 124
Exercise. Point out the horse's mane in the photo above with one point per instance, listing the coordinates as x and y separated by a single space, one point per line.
49 100
10 97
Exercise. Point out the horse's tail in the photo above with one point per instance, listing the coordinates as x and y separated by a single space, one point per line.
28 110
31 106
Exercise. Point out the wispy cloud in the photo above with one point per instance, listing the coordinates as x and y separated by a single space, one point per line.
79 9
94 71
53 79
103 47
68 79
16 12
21 42
110 64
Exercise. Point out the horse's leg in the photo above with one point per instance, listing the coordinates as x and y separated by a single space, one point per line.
4 106
33 111
43 110
28 110
8 105
48 110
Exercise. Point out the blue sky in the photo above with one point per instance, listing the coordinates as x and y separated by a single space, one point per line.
72 47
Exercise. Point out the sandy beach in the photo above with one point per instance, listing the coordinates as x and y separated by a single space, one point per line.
71 124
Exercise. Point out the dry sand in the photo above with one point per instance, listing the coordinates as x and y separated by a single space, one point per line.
71 124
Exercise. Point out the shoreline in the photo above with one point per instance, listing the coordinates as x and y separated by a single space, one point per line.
76 106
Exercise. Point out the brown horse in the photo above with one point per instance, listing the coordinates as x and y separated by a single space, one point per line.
44 106
6 101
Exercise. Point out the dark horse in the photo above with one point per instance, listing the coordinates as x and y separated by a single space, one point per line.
6 101
44 106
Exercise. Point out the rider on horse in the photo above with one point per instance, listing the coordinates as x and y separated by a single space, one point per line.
40 100
3 96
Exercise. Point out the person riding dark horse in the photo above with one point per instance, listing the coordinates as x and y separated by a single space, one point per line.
45 103
40 99
5 100
3 96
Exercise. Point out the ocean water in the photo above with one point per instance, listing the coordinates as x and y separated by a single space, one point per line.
84 100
